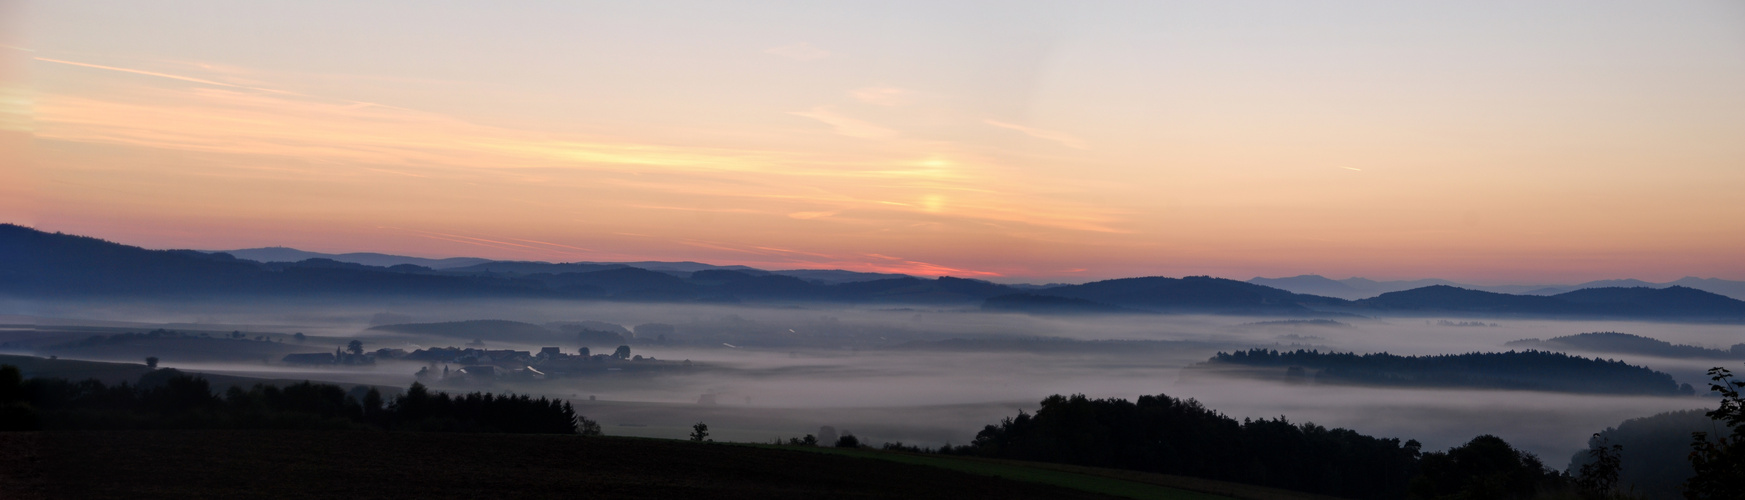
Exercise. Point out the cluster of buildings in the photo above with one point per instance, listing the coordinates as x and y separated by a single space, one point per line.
474 363
461 364
337 357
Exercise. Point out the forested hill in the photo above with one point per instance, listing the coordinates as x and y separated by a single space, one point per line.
1624 343
40 264
1521 370
1677 303
1191 294
1203 294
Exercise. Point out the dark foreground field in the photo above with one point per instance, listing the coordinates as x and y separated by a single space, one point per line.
291 464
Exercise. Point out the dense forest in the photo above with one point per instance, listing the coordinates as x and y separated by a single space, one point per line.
1174 436
1522 370
169 399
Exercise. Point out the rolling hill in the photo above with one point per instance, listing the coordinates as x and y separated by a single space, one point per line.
53 265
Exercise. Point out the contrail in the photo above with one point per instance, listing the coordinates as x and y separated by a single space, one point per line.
161 75
208 82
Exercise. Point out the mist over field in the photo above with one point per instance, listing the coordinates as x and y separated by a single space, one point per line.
925 375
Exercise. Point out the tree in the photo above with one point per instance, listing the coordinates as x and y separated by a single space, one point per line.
300 337
356 347
1486 467
151 362
1720 464
583 351
11 384
699 432
847 441
372 403
1598 478
15 414
587 427
623 352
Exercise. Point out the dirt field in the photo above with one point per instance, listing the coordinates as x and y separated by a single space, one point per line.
311 464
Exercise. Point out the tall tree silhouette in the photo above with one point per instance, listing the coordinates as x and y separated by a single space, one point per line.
1720 464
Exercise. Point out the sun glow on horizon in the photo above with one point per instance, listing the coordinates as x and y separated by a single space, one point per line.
1112 142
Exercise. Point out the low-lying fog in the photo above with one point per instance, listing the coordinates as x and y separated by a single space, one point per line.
874 370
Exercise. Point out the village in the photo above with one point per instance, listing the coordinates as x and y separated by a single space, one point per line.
464 365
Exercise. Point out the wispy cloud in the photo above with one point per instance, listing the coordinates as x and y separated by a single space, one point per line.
1060 137
882 96
201 81
802 51
844 125
261 138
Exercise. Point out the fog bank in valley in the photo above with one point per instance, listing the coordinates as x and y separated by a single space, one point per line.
921 375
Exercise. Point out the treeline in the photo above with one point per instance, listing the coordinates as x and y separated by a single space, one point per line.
169 399
1161 434
128 338
1654 461
1174 436
1525 370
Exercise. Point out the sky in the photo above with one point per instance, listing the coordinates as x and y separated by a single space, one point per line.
1491 142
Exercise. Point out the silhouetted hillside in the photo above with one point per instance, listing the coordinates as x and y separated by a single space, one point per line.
916 290
746 285
283 254
1523 370
1048 304
1448 298
834 276
1624 343
39 264
623 283
1359 288
1182 437
42 264
1655 459
1663 303
1349 288
1314 285
514 268
1192 294
1676 301
53 264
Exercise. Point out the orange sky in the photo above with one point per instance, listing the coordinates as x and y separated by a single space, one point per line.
1488 142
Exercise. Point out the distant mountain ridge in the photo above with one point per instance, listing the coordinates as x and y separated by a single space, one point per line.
1360 288
486 266
285 254
37 264
1624 343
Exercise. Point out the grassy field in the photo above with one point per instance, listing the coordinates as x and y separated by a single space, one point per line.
315 464
114 373
1114 482
70 369
184 464
1028 473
